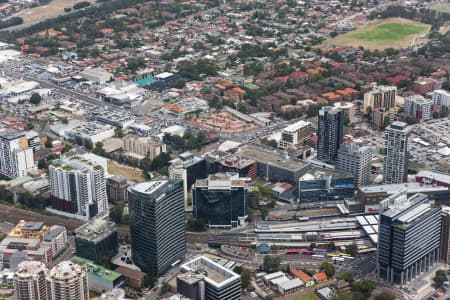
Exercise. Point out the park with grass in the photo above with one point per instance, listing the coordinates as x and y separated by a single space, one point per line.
387 33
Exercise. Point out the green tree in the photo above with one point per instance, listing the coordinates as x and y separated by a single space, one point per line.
384 296
246 277
164 288
346 276
271 263
116 213
48 143
328 268
352 249
150 278
264 213
118 132
363 287
66 148
196 225
439 278
35 99
42 163
312 245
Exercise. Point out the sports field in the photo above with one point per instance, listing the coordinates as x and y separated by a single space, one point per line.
443 7
382 34
53 9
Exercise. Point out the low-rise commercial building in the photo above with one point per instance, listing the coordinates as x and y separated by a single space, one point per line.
115 118
92 131
100 279
324 185
274 166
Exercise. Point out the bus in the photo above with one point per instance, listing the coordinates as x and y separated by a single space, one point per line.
337 260
292 251
316 256
347 257
333 255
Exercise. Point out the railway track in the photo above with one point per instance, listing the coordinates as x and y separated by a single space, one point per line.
13 215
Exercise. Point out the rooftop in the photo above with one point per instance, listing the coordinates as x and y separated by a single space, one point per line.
271 157
296 126
95 230
33 226
96 269
410 187
216 274
222 180
55 230
434 175
149 187
319 173
11 134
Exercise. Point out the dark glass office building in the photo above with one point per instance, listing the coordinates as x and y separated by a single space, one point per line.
330 133
221 199
325 185
409 237
96 241
157 226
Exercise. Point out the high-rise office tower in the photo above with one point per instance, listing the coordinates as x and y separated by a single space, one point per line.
357 161
30 281
157 229
67 281
78 186
396 153
445 235
330 133
409 237
16 158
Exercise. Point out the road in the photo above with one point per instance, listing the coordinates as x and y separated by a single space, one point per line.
62 90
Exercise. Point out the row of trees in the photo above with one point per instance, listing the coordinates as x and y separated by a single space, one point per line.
189 141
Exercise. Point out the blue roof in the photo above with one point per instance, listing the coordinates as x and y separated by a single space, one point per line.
146 81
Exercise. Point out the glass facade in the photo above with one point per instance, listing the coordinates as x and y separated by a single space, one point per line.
97 251
157 224
319 189
408 244
219 206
